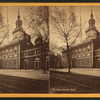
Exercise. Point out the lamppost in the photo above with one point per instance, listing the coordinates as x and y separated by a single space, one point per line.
44 56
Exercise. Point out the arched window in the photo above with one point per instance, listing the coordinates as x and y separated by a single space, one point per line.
6 50
15 48
88 48
11 50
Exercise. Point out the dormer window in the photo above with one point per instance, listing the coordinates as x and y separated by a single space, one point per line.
38 41
27 43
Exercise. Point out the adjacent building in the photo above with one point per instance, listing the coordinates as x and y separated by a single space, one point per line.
55 61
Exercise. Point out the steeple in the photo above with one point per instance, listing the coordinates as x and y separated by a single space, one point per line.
18 22
18 32
91 31
92 20
91 13
18 14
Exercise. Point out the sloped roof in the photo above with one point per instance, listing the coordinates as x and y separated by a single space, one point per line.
10 44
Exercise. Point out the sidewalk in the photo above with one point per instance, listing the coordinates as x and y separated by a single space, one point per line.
84 71
31 74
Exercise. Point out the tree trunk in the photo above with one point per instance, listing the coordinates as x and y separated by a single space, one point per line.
44 57
69 67
68 58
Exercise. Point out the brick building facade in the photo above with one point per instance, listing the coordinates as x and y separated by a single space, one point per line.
86 54
20 53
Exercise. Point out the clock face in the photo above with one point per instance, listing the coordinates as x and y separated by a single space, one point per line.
92 34
18 35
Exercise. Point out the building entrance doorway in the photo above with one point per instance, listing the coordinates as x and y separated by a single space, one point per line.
47 65
98 64
25 65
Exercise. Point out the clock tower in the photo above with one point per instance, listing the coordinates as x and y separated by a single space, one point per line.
19 33
91 31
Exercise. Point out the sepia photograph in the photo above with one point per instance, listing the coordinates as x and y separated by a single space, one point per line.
24 49
74 49
50 49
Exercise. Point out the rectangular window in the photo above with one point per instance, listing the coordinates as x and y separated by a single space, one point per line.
96 53
34 64
38 51
79 49
99 52
84 61
22 54
87 60
31 52
39 64
9 63
35 52
16 62
25 53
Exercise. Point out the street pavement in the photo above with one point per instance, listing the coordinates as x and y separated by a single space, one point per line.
78 81
23 81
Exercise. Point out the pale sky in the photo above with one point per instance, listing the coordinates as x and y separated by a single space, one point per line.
85 16
12 17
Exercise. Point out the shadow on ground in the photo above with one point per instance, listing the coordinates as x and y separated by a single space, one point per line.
63 82
12 84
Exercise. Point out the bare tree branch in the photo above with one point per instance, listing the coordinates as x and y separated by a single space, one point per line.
67 27
39 21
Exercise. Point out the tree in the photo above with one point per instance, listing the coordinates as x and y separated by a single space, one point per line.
53 55
66 27
3 28
54 49
39 23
